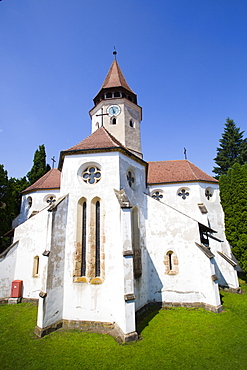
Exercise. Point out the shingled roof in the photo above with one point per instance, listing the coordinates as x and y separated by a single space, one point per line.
162 172
99 140
115 78
50 180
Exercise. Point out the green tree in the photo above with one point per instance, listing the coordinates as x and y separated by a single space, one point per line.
39 165
16 186
233 193
5 209
233 148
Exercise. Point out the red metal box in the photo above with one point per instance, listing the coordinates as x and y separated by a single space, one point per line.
16 288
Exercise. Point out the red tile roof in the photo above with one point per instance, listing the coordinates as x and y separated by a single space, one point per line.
176 171
99 139
50 180
115 78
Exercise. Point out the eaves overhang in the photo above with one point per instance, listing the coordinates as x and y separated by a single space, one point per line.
181 182
99 150
39 189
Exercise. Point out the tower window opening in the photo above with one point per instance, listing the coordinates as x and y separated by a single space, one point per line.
114 121
131 123
116 94
108 95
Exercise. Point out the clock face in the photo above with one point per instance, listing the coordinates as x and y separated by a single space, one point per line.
113 110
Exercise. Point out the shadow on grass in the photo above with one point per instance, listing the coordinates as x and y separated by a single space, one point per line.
144 316
242 275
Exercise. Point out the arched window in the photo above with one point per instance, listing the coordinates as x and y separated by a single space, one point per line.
81 240
88 255
97 239
36 266
171 263
136 243
29 202
113 121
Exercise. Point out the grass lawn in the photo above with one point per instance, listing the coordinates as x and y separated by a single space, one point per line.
176 338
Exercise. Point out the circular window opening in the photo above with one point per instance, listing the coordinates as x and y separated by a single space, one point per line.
183 193
50 199
91 175
208 193
156 194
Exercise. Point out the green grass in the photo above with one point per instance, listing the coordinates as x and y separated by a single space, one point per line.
176 338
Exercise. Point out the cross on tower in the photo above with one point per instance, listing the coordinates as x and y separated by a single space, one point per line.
101 115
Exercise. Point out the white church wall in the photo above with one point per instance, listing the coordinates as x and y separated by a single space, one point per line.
169 230
85 300
31 237
51 307
35 201
206 196
137 197
7 271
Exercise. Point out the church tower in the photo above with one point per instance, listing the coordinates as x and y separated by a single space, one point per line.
115 108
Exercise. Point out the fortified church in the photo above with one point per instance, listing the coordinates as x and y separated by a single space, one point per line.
107 233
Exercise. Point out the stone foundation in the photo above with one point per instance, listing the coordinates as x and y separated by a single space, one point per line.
160 305
91 326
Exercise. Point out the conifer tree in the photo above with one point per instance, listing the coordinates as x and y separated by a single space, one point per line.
39 165
233 193
233 148
5 209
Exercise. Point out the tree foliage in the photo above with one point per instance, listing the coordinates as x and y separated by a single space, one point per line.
10 193
232 149
39 165
5 211
233 193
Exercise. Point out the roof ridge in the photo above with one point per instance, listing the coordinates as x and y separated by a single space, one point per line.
193 173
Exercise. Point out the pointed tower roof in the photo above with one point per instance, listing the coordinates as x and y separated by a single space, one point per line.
115 78
115 82
50 180
99 141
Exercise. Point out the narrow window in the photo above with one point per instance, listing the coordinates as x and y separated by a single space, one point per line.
171 263
114 121
170 260
131 123
80 257
136 243
84 229
36 266
97 240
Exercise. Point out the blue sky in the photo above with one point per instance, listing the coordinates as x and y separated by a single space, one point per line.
185 59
